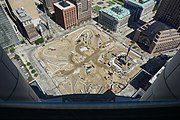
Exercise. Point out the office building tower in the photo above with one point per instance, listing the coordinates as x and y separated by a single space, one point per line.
114 17
25 25
169 13
28 6
49 4
162 34
65 14
139 8
83 8
157 37
8 36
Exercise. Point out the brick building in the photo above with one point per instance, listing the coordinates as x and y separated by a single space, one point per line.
162 34
25 25
65 14
158 37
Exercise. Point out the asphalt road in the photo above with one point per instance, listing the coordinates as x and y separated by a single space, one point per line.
44 80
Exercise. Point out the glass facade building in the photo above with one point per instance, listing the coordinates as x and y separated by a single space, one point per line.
7 33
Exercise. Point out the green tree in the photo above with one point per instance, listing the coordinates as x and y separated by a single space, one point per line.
28 63
33 71
38 41
12 50
22 42
30 78
97 8
6 50
16 57
30 67
35 75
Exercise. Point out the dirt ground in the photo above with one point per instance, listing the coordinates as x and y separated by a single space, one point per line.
80 62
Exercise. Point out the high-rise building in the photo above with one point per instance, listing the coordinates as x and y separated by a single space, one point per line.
163 34
24 14
157 37
139 8
83 8
25 25
169 12
49 4
65 14
8 36
114 17
28 5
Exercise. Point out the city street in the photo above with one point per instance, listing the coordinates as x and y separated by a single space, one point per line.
43 80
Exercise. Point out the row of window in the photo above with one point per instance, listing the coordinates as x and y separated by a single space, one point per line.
168 45
27 22
70 12
107 22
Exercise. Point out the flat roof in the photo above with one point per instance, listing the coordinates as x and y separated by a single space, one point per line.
22 15
142 3
154 27
117 11
28 5
64 5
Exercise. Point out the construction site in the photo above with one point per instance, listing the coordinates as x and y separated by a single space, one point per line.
88 61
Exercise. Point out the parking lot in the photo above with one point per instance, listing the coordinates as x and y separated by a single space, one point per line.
21 68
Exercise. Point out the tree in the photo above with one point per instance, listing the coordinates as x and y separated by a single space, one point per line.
35 75
38 41
6 50
132 42
97 24
22 42
12 50
33 71
30 67
134 47
16 57
28 63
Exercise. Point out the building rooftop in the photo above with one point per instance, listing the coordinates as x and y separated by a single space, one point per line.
22 15
142 3
154 27
64 5
28 5
116 11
